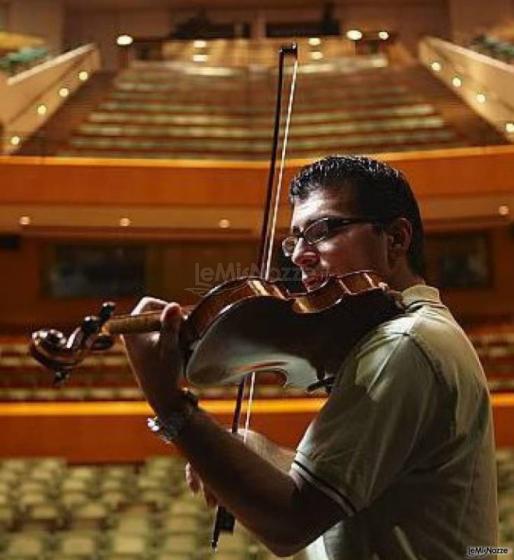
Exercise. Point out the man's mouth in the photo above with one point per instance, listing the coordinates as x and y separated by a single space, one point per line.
313 281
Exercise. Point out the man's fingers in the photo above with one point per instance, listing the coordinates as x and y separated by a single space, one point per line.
148 304
171 319
192 479
196 485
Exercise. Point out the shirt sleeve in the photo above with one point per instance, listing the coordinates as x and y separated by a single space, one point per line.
369 431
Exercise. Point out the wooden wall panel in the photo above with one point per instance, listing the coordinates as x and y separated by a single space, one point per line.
446 173
116 432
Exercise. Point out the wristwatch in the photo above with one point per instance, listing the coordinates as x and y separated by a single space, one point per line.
169 428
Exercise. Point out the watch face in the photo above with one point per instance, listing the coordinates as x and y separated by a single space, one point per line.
170 428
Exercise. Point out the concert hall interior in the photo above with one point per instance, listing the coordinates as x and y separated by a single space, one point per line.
136 138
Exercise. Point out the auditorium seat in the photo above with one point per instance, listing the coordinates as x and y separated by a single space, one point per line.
26 546
91 515
77 545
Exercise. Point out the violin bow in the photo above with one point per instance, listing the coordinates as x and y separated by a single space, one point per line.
225 521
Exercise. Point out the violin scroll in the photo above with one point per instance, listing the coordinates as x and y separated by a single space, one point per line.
52 349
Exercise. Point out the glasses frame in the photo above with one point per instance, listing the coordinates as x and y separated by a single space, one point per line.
333 226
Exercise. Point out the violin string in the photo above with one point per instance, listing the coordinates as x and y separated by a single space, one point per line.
249 405
278 189
273 226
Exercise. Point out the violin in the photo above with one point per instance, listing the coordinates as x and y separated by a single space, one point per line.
244 326
248 325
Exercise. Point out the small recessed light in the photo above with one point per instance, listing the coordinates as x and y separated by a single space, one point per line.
124 40
456 82
83 76
509 127
481 98
384 35
15 140
24 221
436 66
224 223
354 34
42 110
316 55
199 44
314 41
200 57
64 92
125 222
503 210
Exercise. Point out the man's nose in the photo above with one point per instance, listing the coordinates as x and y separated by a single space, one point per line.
304 254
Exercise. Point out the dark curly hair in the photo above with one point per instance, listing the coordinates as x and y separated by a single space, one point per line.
379 191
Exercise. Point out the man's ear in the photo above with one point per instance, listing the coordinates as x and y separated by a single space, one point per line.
399 237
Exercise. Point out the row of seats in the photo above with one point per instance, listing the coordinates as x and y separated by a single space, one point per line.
179 110
239 54
68 394
50 510
107 376
495 347
149 516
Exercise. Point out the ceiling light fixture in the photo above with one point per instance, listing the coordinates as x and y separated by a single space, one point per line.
354 34
124 40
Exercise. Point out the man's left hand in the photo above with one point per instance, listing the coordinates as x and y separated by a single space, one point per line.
155 358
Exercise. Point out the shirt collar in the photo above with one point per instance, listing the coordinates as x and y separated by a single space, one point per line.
421 294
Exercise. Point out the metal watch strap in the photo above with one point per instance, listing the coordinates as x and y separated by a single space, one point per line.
169 428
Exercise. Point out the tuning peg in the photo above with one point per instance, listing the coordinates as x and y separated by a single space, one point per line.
60 377
90 325
107 310
53 339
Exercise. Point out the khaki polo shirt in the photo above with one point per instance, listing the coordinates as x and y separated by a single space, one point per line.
404 444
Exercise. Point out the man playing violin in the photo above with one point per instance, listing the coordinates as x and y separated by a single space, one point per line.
399 463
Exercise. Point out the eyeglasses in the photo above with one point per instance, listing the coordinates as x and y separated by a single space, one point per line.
320 230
